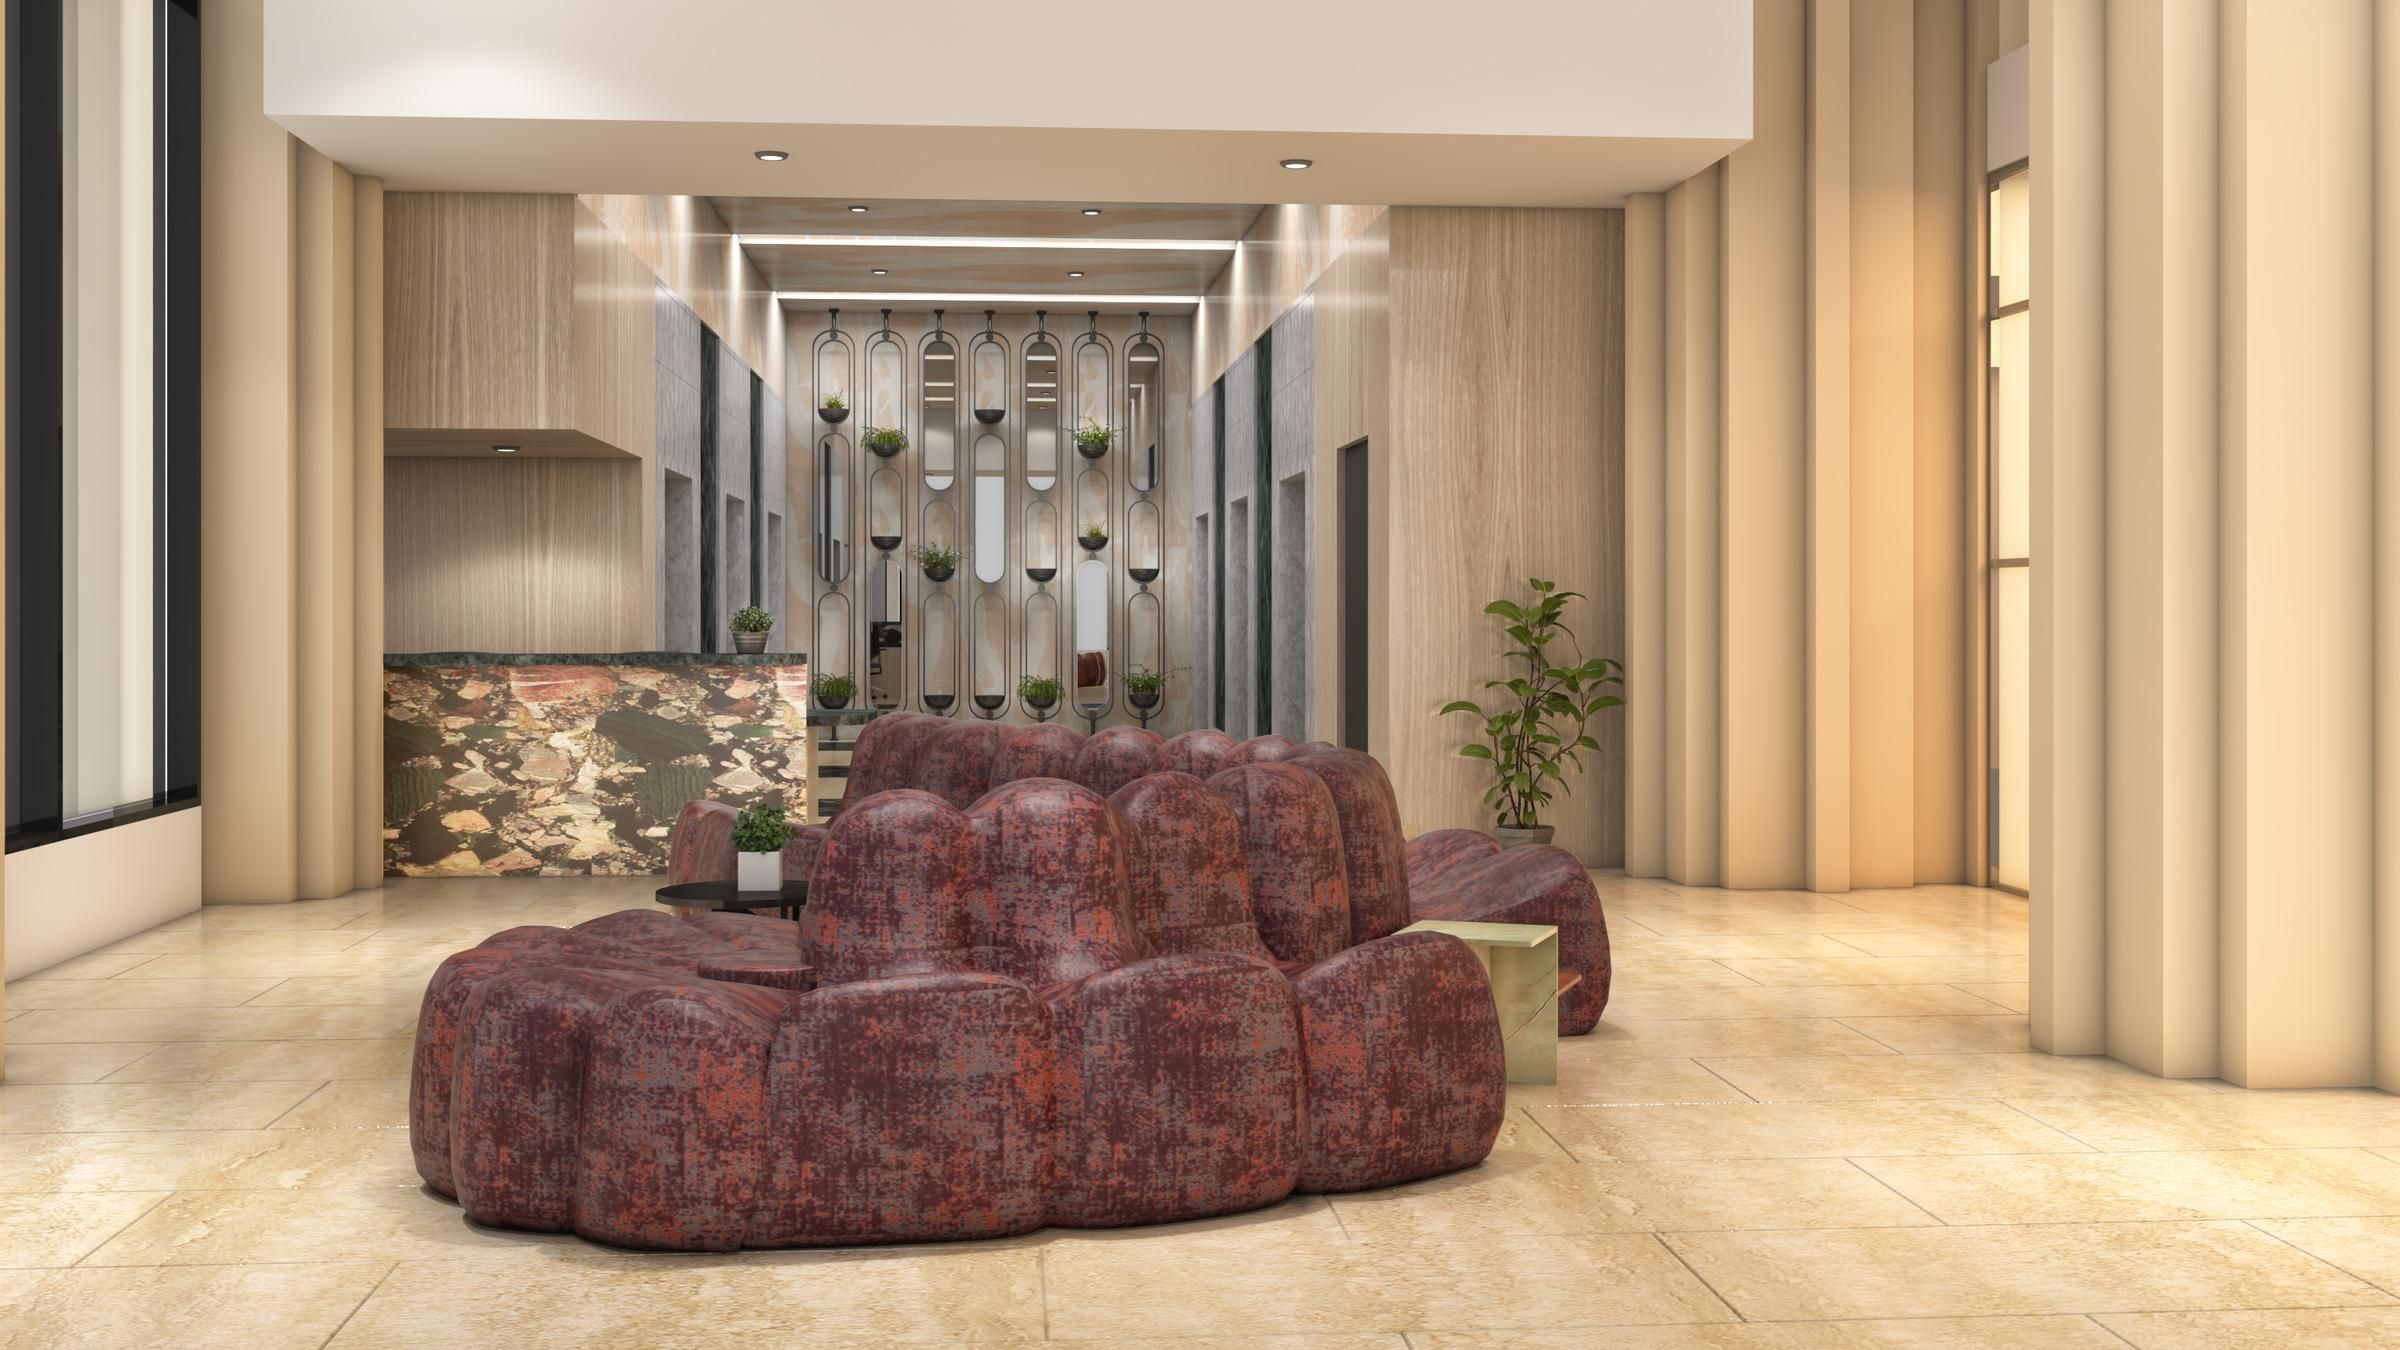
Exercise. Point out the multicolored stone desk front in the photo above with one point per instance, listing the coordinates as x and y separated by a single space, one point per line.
575 765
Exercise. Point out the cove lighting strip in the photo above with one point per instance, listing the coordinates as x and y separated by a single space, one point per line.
974 241
956 298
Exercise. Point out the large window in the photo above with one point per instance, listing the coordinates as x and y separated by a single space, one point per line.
2009 454
102 413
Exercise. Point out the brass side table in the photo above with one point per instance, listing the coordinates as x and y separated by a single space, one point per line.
1522 961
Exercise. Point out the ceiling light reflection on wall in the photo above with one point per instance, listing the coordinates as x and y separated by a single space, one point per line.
772 156
883 271
955 242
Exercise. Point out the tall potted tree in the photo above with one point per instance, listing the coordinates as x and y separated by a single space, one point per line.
1534 731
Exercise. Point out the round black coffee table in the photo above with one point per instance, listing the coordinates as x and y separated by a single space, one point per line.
730 897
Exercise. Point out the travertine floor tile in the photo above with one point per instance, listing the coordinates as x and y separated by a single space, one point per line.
1618 1039
2367 1248
192 1308
1722 946
59 1230
1678 975
212 1228
1630 1197
1797 1130
246 941
1655 1004
280 965
1953 1333
1583 1080
2334 1118
130 992
1934 941
2115 1187
325 991
96 966
244 1061
1883 970
594 1297
39 1108
69 1063
208 1160
2060 1268
1947 1035
1835 1078
2015 996
2284 1329
211 1024
1296 1284
351 1104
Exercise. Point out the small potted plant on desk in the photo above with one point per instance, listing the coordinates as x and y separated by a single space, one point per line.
750 626
1535 733
886 441
759 833
1092 439
833 409
1040 693
834 691
1094 538
940 561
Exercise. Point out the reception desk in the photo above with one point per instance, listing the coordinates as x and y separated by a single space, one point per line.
575 765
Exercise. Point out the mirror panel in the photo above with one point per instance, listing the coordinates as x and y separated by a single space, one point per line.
886 661
1091 635
1145 631
991 379
1145 540
1091 502
1041 634
885 523
937 427
886 402
831 655
1091 382
941 525
937 675
833 508
833 368
1039 542
991 508
992 688
1145 387
1041 412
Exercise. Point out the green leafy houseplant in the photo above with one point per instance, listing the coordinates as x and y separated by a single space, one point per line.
1094 537
1039 691
762 827
938 560
1144 680
834 691
1093 439
1534 731
752 619
833 403
886 441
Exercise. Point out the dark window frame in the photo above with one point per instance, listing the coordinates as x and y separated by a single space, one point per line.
33 427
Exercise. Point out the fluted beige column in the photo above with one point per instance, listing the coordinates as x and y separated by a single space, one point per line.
1694 542
1645 535
2298 544
2069 192
1763 481
366 530
2161 531
1827 861
2387 545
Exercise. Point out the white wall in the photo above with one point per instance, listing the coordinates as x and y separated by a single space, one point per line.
67 898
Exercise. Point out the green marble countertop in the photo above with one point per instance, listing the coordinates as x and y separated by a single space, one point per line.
406 659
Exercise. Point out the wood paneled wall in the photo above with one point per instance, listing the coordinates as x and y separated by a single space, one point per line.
522 555
688 246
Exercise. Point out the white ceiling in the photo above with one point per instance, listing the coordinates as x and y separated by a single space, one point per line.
1511 102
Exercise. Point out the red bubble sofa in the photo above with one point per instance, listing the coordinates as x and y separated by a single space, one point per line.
1040 1006
1444 874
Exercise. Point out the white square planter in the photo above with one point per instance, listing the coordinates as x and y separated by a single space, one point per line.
758 871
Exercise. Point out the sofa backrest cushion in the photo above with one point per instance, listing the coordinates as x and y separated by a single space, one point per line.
956 764
895 891
1267 749
1372 850
1055 858
1292 838
886 753
1198 753
1191 877
1116 757
1045 751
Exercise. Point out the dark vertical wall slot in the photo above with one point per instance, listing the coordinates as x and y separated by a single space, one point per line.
1216 572
712 498
757 549
176 409
1262 491
36 417
1354 546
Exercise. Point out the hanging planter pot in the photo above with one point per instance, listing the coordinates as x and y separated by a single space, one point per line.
990 417
938 703
989 704
884 543
1144 699
939 574
1039 575
886 442
834 702
1142 575
1092 543
834 414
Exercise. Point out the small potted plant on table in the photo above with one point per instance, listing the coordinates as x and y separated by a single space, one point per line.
886 441
834 409
940 561
759 833
1094 538
750 626
1040 692
1535 730
1092 439
834 691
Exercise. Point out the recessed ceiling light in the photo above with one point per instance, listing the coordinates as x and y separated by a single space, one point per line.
1074 274
504 449
1091 210
858 210
883 271
772 156
1295 163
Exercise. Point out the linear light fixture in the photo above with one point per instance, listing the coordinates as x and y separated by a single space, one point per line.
979 298
979 241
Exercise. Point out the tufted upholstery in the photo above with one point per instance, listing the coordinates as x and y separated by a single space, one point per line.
1374 859
1115 757
1045 751
1198 753
1191 878
1292 839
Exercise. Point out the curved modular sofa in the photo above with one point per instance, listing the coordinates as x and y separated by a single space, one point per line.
1043 1008
1445 874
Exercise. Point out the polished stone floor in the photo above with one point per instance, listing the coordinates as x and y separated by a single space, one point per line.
1807 1120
